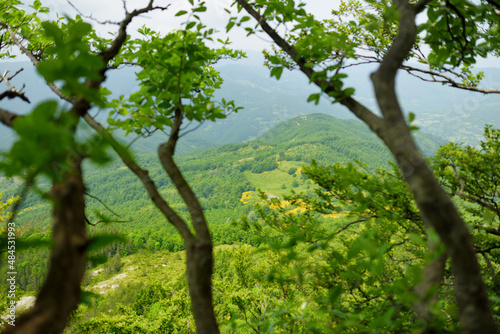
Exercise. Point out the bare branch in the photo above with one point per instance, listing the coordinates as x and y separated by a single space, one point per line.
12 92
113 50
462 184
468 197
448 80
90 17
346 226
107 221
35 62
190 130
13 75
100 201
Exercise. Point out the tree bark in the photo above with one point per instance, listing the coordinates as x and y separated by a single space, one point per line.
199 261
60 293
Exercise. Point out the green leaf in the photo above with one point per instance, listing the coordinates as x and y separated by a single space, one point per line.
349 91
181 12
200 9
276 72
413 128
230 25
314 97
411 117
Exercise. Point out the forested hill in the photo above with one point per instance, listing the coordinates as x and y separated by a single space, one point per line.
339 134
220 175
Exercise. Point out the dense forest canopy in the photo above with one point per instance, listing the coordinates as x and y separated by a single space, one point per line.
319 225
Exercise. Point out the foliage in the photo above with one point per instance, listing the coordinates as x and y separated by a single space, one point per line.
471 176
358 234
314 272
176 72
4 206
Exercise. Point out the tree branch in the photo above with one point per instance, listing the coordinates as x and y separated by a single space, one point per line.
35 63
113 50
165 153
7 117
462 184
346 226
100 201
448 80
61 291
12 92
107 221
487 229
144 177
470 198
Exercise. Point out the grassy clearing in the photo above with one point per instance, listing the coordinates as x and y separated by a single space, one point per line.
278 181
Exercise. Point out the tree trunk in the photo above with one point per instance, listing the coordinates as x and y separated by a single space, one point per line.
199 257
199 261
60 293
432 274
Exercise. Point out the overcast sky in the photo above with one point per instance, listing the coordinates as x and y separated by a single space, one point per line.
165 21
215 17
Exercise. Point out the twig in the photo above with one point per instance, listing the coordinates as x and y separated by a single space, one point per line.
448 80
354 222
90 16
107 221
100 201
12 92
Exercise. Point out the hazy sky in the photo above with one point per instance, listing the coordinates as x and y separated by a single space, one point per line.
215 17
165 21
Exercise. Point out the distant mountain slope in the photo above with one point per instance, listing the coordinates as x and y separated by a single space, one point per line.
444 112
333 131
220 175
